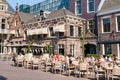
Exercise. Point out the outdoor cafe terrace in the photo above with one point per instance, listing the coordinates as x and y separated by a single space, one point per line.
80 67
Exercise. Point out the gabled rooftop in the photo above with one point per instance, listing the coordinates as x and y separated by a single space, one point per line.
53 15
61 13
25 17
109 6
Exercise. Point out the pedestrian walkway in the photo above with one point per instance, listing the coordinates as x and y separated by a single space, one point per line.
9 72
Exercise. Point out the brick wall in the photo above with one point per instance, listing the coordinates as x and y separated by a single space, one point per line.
84 8
106 37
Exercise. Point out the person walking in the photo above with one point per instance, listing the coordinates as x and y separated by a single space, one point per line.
14 58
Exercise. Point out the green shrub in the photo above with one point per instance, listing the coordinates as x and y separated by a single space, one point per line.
110 55
94 55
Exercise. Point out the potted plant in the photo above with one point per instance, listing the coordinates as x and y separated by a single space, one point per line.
29 46
47 51
47 48
29 54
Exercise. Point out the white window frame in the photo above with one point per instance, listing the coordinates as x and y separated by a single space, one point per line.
3 23
73 31
72 48
60 46
117 24
118 50
76 8
88 25
104 49
88 7
2 8
102 24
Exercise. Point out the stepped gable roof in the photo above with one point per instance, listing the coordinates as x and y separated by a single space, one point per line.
25 17
60 13
109 5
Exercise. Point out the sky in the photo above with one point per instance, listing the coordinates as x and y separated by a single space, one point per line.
29 2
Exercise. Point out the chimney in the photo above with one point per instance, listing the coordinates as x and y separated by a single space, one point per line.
42 17
41 13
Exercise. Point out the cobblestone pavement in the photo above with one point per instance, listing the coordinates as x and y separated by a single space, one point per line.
9 72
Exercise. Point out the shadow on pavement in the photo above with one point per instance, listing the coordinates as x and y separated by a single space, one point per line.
3 78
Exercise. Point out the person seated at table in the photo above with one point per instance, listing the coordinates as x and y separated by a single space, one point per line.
14 55
70 59
65 62
20 56
108 59
91 60
81 59
101 61
56 57
35 60
115 59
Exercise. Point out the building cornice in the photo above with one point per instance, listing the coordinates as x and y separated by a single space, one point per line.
108 12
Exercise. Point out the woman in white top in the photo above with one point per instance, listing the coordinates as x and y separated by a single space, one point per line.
101 60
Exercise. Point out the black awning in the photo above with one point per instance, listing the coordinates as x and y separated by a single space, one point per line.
109 42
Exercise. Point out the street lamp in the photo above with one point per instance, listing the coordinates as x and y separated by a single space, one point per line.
55 45
83 37
2 32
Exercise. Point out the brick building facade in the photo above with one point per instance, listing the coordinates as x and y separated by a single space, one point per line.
5 19
86 9
61 29
108 28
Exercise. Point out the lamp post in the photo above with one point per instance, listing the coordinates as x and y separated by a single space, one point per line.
55 45
1 43
1 40
83 37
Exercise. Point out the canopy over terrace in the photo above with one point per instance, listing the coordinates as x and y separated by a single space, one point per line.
37 31
23 47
